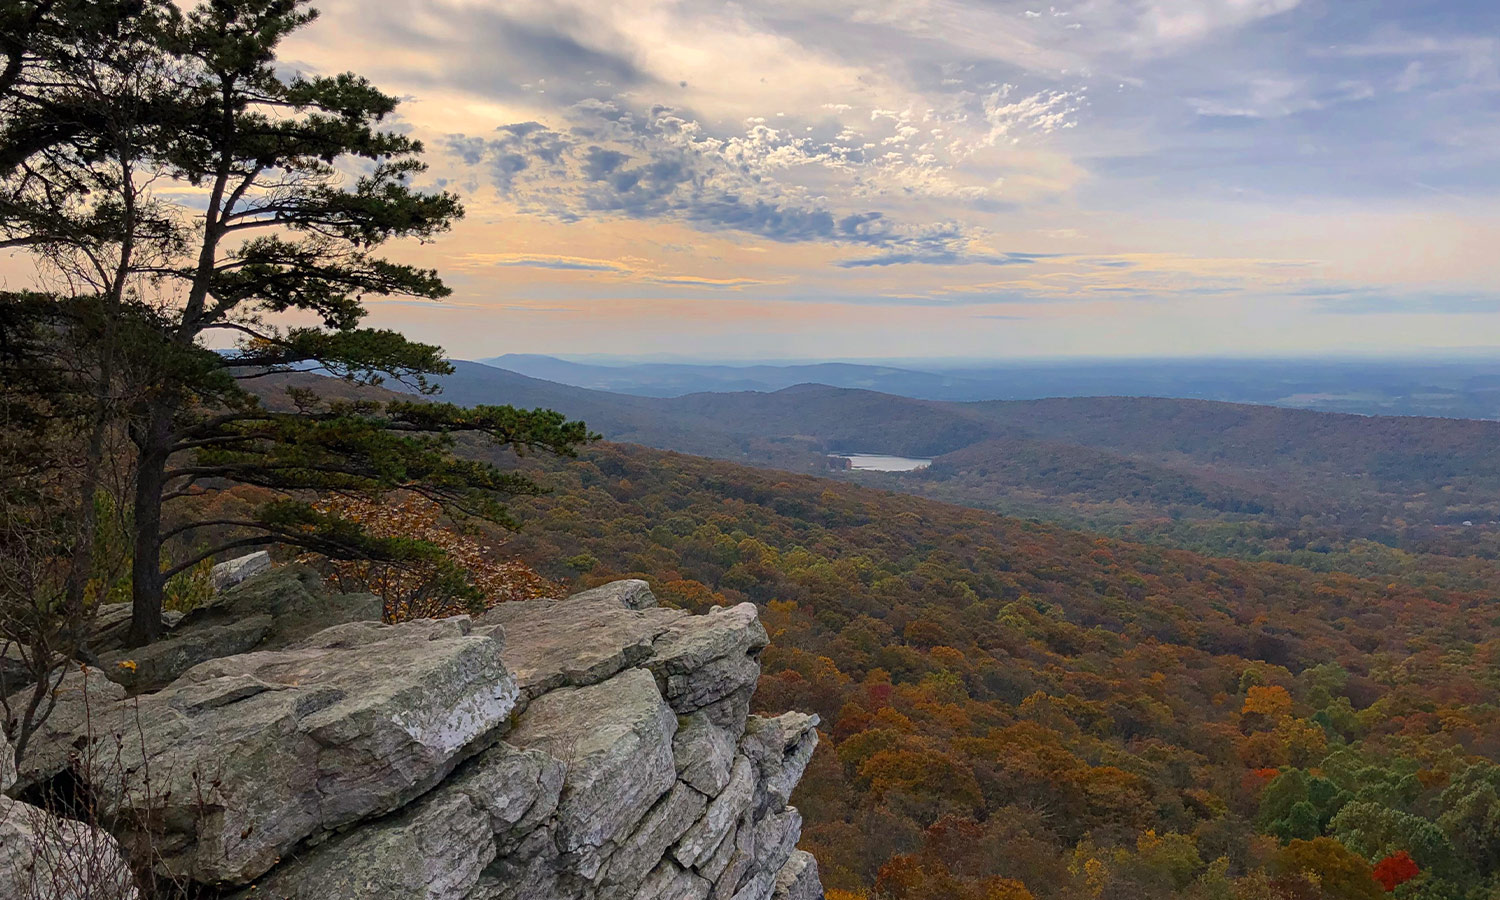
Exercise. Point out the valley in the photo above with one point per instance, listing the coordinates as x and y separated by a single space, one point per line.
1377 495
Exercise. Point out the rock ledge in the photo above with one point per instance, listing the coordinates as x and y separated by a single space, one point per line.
598 746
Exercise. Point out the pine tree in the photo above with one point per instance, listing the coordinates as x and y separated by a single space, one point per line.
298 183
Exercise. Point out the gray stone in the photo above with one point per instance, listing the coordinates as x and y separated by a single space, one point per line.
699 842
518 790
344 758
798 879
704 753
668 882
7 763
270 611
574 642
781 748
661 827
741 860
531 871
700 660
231 572
434 850
157 665
44 857
110 626
15 671
294 598
717 861
616 739
440 845
253 754
776 837
631 593
81 694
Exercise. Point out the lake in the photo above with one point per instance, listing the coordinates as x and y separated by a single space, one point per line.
875 462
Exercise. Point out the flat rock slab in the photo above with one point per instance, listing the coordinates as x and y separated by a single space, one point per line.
583 640
252 754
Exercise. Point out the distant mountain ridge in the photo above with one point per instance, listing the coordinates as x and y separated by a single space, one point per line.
1232 479
676 379
1457 389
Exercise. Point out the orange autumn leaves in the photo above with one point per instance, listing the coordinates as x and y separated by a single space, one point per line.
419 590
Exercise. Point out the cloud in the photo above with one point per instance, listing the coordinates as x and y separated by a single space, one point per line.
1361 301
939 255
727 284
609 159
902 151
527 261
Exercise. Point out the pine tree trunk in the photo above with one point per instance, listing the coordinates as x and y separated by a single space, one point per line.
147 583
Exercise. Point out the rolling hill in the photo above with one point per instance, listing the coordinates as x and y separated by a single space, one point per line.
1297 486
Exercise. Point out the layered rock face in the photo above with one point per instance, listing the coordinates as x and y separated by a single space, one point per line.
592 747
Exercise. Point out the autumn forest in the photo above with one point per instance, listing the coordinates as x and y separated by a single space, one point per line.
1012 709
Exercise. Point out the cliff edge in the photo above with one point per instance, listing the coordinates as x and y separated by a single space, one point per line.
597 746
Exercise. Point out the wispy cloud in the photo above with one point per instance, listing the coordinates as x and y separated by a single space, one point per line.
1139 164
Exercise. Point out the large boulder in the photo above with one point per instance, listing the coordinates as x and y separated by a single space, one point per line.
593 748
438 847
80 695
231 572
270 611
631 593
250 755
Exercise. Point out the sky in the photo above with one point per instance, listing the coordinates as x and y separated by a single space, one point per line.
931 178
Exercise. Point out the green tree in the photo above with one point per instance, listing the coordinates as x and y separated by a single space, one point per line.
1374 831
1471 815
298 183
76 82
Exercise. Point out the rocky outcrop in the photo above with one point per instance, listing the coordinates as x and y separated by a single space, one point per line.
46 857
270 612
594 747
